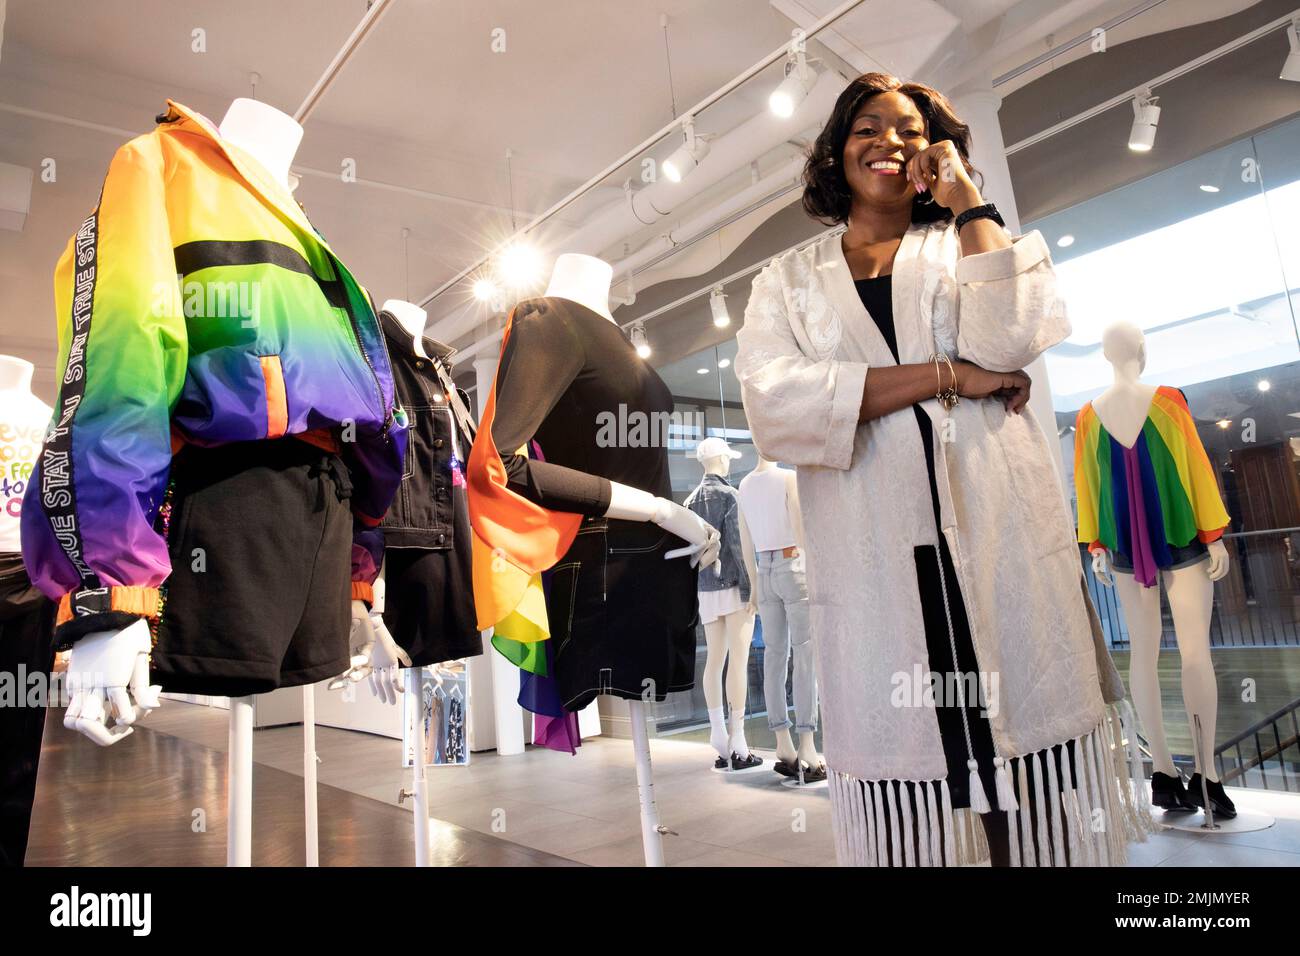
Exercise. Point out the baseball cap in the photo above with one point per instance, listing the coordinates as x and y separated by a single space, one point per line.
714 447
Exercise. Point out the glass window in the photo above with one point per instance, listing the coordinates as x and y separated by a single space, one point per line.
1203 258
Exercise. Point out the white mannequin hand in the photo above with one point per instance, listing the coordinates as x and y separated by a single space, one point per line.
375 655
112 667
632 504
704 542
1101 568
1218 565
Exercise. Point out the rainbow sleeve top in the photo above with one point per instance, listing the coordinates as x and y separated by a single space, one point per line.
1144 500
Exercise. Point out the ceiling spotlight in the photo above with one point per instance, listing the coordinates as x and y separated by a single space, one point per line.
1146 116
688 155
485 290
1224 422
1207 188
702 371
519 265
724 363
1065 241
639 340
718 306
1263 385
1291 68
799 79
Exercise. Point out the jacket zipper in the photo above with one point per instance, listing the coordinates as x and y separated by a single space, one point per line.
356 332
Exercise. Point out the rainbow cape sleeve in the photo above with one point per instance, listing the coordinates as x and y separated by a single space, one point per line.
514 541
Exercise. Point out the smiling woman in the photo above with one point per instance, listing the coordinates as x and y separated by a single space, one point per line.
935 516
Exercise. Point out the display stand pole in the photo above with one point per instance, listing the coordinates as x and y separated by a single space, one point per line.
239 784
651 834
311 815
1209 823
414 685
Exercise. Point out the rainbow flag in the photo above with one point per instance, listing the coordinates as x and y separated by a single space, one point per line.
1141 501
514 541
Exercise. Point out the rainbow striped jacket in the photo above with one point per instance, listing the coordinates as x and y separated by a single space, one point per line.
1159 494
196 303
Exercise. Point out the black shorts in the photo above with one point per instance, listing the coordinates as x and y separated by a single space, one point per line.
1191 553
260 539
623 618
429 603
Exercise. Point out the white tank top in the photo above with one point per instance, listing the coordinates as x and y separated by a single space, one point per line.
763 503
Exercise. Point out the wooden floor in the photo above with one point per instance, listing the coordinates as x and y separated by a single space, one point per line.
159 800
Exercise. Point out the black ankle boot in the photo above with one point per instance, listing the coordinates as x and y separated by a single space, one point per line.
1168 793
1223 807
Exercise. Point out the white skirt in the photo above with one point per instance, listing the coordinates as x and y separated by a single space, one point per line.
716 604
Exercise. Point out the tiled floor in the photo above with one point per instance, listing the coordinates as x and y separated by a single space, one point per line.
585 808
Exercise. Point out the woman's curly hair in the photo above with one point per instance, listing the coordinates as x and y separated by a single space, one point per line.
826 194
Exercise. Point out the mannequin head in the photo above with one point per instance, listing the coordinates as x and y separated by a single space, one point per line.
717 465
715 456
411 317
15 374
268 135
583 279
1125 348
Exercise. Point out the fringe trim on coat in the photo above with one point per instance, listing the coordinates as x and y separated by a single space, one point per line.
1082 810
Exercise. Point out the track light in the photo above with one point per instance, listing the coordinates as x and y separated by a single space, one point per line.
718 306
1146 116
687 156
799 79
637 334
1291 68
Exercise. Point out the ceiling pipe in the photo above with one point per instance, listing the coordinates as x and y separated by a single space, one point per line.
771 186
363 29
755 137
636 151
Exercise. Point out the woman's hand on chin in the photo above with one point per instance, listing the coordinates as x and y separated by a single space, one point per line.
1011 387
939 169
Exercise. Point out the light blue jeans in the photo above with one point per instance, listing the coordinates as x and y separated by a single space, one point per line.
783 608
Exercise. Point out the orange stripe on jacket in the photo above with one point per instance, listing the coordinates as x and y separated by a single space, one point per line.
277 405
529 536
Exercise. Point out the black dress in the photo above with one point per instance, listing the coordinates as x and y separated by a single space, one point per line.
622 618
876 296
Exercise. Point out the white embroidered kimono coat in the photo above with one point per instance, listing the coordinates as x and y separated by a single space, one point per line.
805 355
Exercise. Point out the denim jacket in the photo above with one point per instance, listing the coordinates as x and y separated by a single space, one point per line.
717 503
433 478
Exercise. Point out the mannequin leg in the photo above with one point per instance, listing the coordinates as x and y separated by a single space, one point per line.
776 660
794 592
740 631
715 641
1142 615
1191 598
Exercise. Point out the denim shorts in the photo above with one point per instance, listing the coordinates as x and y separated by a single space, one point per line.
1192 553
623 618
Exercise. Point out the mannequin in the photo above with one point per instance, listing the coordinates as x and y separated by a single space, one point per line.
114 665
413 319
26 615
786 612
562 338
729 635
1123 411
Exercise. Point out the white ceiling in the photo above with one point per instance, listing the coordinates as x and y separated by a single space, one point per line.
426 108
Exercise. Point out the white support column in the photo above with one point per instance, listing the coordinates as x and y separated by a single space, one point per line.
496 717
979 109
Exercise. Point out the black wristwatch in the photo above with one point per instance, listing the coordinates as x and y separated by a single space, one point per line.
986 211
